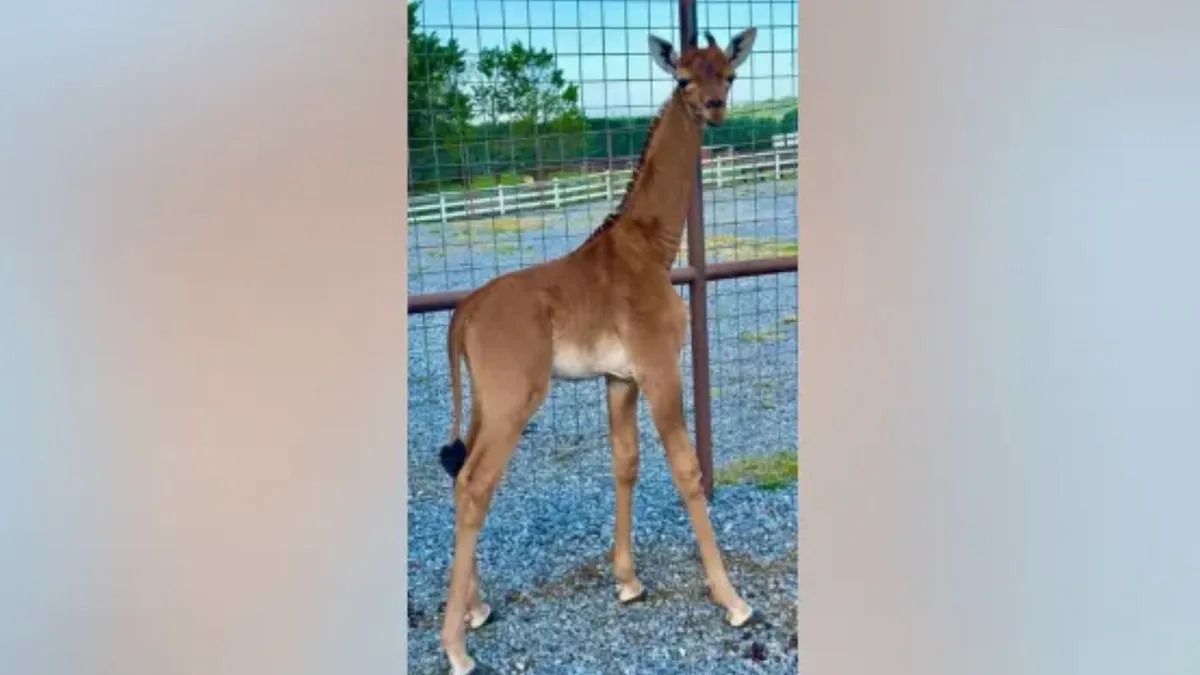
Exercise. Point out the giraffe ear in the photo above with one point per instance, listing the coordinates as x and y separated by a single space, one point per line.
739 46
663 54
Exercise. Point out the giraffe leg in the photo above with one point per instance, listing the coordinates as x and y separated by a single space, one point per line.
663 389
478 611
507 391
623 435
474 488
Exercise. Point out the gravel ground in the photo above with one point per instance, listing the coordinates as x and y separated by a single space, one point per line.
543 550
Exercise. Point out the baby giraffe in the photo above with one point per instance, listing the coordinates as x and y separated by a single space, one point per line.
605 309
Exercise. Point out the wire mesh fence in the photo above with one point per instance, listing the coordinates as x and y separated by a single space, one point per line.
525 119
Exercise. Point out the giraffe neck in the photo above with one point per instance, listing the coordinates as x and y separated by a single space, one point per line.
655 203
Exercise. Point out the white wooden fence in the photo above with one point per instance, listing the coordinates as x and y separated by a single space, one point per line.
556 193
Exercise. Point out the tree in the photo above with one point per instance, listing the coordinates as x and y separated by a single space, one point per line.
788 123
523 87
744 134
439 111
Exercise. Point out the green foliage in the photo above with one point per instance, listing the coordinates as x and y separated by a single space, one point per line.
774 108
523 85
743 133
524 89
438 109
624 136
768 472
789 122
523 118
616 136
492 180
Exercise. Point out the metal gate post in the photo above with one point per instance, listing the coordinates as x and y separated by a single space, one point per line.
698 290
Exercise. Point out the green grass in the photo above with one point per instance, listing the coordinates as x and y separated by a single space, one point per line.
482 228
506 247
477 183
722 247
434 187
563 175
483 182
485 245
768 334
767 472
511 224
774 108
772 333
480 235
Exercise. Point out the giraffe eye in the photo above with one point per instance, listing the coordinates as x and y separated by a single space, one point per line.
731 78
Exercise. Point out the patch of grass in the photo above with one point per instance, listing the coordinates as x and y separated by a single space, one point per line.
722 247
762 385
434 187
510 224
484 182
482 227
479 238
768 334
773 108
768 472
773 333
570 174
502 247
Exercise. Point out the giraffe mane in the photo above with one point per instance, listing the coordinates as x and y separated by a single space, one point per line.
611 218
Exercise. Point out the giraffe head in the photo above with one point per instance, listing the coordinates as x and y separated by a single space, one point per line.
704 74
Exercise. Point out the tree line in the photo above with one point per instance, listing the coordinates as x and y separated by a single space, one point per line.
517 115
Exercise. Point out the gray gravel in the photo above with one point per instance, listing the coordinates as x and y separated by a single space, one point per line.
542 553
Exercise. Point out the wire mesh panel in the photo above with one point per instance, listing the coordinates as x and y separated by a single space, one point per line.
749 197
526 118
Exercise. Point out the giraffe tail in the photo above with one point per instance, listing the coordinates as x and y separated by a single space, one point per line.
453 455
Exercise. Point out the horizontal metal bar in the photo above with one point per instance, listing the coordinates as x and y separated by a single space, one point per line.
440 301
750 268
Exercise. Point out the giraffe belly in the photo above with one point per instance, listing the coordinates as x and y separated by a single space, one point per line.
606 357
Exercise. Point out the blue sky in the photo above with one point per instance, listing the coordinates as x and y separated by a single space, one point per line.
601 44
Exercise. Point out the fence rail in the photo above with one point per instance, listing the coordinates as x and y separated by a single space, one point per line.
717 172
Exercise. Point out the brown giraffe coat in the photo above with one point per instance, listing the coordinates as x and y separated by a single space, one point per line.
606 309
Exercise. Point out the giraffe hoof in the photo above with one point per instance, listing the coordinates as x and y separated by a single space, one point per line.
631 593
474 668
742 620
482 618
632 600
